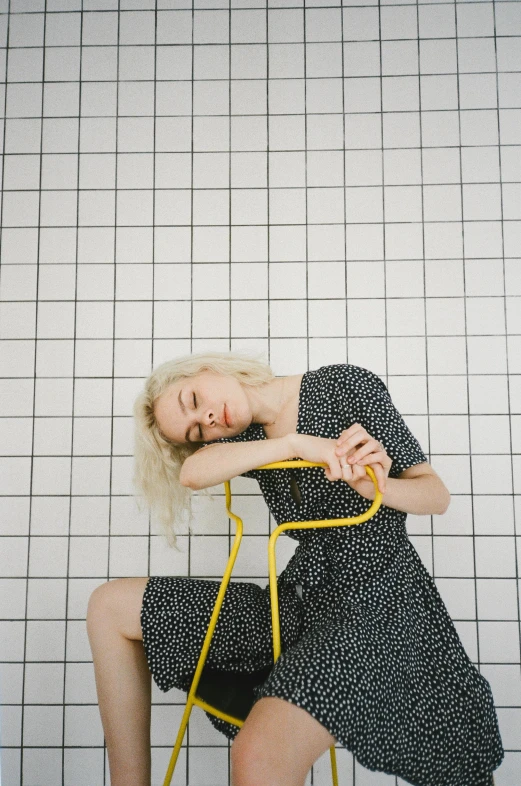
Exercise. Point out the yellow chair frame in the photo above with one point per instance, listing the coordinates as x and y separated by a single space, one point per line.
192 698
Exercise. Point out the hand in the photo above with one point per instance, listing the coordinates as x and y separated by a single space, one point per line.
356 449
320 450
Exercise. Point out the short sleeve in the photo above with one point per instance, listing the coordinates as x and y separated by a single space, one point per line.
367 401
248 435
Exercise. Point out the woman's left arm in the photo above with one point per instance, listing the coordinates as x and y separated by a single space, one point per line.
418 489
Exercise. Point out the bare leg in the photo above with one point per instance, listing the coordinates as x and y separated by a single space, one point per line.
262 756
123 679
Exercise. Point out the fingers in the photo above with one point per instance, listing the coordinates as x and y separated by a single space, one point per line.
380 476
372 446
381 464
353 472
348 433
352 437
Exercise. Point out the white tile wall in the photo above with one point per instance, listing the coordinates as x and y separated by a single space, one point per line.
329 183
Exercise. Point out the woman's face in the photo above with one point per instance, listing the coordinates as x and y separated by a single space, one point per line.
202 408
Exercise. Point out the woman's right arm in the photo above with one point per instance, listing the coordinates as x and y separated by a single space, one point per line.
213 464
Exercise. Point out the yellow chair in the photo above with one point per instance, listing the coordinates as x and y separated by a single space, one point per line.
204 684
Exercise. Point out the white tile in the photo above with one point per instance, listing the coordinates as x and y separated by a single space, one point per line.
369 353
361 94
490 433
172 282
508 19
48 557
479 127
478 163
492 474
405 317
366 317
78 596
77 644
400 130
493 515
360 58
496 599
128 556
45 640
90 515
90 475
43 683
495 557
364 278
409 394
406 355
13 557
444 278
479 23
498 642
448 395
446 355
82 726
80 686
484 277
488 394
485 316
514 354
454 470
88 556
445 316
453 556
505 681
436 23
42 726
457 519
83 766
11 722
486 354
481 201
42 760
12 684
449 433
49 515
459 596
325 279
327 317
476 55
439 92
46 598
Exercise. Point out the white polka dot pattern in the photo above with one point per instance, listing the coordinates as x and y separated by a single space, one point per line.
368 647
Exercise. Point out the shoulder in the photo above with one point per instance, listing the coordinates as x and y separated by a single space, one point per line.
350 378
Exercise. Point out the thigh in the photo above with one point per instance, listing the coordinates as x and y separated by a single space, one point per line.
290 755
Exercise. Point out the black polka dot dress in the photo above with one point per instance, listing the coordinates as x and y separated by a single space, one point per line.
368 646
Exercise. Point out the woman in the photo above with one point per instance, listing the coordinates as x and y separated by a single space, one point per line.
370 657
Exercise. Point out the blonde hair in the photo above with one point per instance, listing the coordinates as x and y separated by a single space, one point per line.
157 460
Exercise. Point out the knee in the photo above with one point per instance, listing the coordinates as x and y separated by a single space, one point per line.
116 605
99 608
252 764
105 603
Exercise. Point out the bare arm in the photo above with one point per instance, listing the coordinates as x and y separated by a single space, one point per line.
418 490
214 464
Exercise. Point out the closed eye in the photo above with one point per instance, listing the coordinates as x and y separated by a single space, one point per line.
195 405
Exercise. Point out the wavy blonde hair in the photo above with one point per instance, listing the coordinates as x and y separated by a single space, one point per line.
157 460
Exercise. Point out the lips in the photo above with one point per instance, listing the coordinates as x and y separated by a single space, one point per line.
225 416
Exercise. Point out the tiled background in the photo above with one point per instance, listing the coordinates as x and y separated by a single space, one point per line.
327 184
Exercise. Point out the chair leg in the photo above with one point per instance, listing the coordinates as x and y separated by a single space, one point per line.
334 771
178 743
